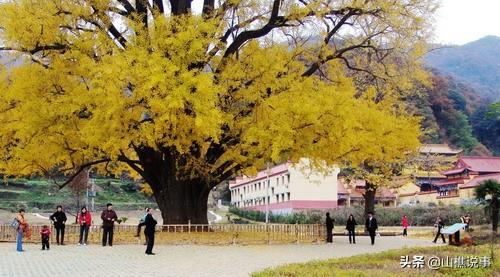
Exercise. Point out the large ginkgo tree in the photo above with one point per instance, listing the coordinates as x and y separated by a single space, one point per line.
186 98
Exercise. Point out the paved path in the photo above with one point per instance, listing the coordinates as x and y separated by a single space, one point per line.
217 217
181 260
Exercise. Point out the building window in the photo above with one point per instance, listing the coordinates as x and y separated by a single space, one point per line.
282 197
259 186
277 198
288 178
288 196
283 180
277 181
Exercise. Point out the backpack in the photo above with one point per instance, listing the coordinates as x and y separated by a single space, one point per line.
15 224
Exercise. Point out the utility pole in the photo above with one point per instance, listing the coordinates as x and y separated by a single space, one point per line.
267 193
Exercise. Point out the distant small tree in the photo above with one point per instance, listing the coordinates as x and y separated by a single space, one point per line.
78 186
492 188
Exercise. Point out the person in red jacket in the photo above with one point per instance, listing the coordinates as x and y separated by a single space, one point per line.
85 220
404 222
45 233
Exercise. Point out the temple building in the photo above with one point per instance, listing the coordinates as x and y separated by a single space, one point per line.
459 183
351 193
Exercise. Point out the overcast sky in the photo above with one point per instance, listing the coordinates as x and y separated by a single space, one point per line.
457 21
462 21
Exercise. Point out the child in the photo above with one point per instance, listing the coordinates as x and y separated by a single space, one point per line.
45 232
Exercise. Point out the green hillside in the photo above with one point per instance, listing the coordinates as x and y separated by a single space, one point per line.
44 195
453 112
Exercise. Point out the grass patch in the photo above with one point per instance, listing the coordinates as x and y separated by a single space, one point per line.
388 264
42 195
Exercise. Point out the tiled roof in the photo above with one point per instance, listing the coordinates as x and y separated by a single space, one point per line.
359 185
481 164
340 187
477 164
477 180
453 171
278 169
449 182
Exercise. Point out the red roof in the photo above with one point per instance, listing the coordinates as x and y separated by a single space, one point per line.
359 185
476 181
477 164
449 182
261 175
482 164
340 187
453 171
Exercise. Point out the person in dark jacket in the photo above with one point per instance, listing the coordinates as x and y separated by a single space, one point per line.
142 223
108 217
329 227
59 220
149 231
440 225
350 227
371 226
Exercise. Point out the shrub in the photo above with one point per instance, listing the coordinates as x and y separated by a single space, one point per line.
388 216
129 187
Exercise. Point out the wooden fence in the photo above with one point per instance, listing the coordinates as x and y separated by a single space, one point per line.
189 234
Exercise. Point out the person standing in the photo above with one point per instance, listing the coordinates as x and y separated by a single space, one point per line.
59 220
372 226
85 220
440 225
108 217
350 227
141 223
329 228
149 231
45 233
404 223
21 226
468 221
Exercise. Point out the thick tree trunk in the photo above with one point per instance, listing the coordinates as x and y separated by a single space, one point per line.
180 191
182 202
369 198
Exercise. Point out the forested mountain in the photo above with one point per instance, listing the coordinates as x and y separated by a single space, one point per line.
476 63
454 113
458 108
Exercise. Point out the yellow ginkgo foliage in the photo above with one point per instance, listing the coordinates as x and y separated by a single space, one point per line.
186 99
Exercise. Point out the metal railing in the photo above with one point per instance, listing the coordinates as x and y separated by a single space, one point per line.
188 234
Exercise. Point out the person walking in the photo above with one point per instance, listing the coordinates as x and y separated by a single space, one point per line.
45 234
404 223
21 226
350 227
85 220
149 231
371 226
440 225
108 217
329 228
59 220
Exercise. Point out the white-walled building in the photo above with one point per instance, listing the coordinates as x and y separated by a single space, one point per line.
288 189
